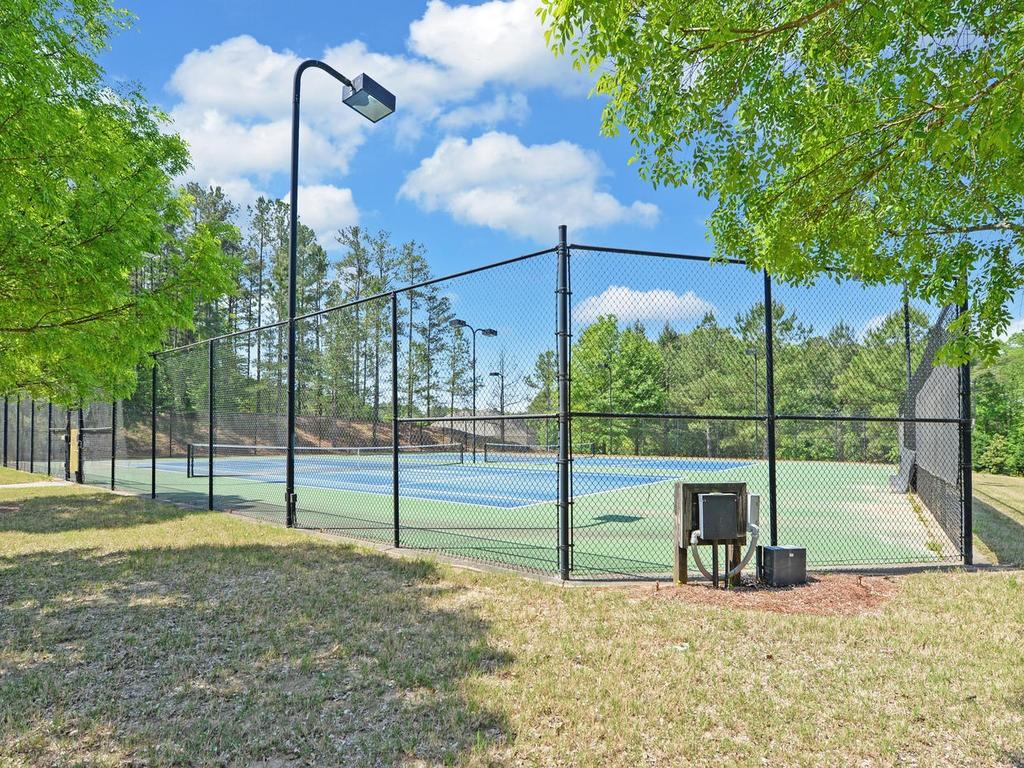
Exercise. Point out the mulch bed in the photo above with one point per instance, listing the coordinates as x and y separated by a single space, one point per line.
835 594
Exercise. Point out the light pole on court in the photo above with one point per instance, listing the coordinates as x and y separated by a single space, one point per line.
374 102
456 323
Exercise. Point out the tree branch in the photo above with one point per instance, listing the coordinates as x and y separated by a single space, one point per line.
90 318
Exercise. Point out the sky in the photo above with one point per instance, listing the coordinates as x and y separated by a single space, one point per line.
494 143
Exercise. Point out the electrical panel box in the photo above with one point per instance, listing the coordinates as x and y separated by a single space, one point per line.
719 516
783 566
753 509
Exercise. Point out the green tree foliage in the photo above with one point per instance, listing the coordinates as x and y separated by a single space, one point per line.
716 370
881 141
618 371
998 399
99 254
544 383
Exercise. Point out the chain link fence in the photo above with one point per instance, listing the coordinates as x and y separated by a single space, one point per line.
537 412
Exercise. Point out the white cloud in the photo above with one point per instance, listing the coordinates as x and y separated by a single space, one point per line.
240 76
493 42
235 114
1016 326
466 66
222 147
327 209
496 181
503 108
629 305
234 104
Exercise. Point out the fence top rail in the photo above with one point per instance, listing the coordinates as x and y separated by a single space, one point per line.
425 283
657 415
221 337
478 417
659 254
359 301
832 272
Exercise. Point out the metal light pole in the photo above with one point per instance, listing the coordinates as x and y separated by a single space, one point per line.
501 401
456 323
373 102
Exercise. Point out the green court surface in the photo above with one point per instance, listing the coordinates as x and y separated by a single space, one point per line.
844 513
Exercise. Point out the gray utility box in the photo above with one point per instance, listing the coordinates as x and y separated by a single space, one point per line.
783 566
719 516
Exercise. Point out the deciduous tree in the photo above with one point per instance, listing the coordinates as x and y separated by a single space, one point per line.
882 141
87 205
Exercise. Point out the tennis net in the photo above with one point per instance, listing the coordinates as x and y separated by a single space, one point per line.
519 452
264 460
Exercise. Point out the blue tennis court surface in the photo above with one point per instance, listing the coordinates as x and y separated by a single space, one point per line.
505 485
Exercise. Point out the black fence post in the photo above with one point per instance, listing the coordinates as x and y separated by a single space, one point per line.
209 457
113 445
769 384
564 470
49 437
67 445
394 415
966 460
32 435
80 468
17 434
152 447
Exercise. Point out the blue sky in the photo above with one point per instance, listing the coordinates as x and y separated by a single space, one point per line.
494 143
514 123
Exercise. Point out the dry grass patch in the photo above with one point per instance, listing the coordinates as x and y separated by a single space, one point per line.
135 633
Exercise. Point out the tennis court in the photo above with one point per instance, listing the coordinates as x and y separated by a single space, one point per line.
502 507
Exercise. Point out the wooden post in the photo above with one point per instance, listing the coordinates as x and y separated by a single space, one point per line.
734 560
682 537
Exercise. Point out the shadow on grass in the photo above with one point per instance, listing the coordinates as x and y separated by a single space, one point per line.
228 655
61 511
1000 531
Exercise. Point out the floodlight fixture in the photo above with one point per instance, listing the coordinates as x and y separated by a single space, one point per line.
369 98
488 332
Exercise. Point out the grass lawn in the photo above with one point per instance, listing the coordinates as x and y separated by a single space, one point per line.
999 518
137 633
9 476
